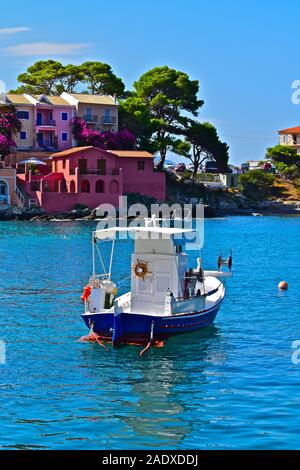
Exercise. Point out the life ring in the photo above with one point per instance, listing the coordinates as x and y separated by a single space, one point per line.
141 269
86 293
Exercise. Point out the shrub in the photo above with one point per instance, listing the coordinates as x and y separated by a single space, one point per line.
256 184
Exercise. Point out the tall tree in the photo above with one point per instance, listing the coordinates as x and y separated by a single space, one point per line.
101 80
69 77
50 77
164 96
134 115
41 78
206 145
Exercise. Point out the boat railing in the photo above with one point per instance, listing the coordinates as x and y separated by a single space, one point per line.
195 296
103 276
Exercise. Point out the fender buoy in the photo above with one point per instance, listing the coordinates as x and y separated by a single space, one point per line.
86 293
283 285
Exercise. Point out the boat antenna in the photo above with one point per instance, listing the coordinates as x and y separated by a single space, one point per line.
94 241
111 258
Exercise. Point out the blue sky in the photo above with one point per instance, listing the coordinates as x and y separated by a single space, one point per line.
245 55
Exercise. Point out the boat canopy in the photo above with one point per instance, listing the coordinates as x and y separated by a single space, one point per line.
167 232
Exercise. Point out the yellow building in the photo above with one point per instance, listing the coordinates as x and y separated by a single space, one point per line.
25 139
291 137
99 111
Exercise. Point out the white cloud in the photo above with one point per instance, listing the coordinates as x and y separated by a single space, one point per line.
20 29
44 48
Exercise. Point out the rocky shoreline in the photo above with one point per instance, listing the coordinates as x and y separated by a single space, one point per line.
215 206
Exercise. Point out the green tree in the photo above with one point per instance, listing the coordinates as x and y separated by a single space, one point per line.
101 80
43 77
69 77
134 115
283 153
160 102
256 184
206 145
50 77
287 171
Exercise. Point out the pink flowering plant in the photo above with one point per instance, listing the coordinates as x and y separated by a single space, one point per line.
6 143
122 140
9 123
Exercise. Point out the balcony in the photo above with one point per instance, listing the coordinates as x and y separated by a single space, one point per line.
90 118
108 120
102 172
46 122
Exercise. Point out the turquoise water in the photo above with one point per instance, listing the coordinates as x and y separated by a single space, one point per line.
231 386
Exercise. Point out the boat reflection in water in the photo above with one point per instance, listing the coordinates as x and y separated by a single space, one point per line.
151 401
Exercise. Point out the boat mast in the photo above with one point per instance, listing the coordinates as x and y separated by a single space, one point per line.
111 258
93 253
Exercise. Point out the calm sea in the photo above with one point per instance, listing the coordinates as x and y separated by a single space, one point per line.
231 386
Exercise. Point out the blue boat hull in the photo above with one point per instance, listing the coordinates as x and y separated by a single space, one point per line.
136 328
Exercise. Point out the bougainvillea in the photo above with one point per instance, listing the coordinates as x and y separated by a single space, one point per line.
6 143
9 123
122 140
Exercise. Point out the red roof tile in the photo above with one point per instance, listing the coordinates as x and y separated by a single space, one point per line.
290 130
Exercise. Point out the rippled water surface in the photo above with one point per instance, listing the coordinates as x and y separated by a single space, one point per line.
232 385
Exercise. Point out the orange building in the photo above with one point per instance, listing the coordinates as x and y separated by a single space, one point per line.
9 193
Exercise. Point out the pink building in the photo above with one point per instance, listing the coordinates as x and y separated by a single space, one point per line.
52 118
91 176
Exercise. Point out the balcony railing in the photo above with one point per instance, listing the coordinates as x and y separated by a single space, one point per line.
90 118
108 120
97 171
46 122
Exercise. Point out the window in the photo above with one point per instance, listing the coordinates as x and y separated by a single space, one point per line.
101 166
141 165
23 135
85 186
294 139
64 116
64 164
82 164
3 188
285 139
64 136
107 114
23 114
99 187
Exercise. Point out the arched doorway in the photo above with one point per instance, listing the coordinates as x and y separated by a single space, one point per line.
85 186
72 186
4 192
99 187
114 187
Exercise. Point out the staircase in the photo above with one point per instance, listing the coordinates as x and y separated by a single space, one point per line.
24 198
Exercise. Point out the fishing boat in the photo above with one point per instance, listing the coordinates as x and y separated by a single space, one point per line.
167 297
